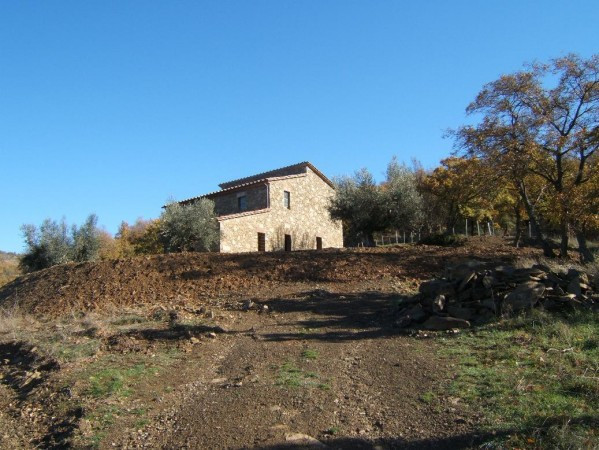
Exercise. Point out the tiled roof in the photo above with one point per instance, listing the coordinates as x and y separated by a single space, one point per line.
275 173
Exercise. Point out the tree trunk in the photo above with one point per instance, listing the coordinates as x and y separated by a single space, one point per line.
547 250
565 237
586 256
518 233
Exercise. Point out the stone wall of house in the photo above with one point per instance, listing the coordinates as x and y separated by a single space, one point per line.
306 219
226 203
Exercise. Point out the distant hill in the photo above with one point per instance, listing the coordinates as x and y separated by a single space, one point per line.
9 267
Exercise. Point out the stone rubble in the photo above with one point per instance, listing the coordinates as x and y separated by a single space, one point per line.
474 293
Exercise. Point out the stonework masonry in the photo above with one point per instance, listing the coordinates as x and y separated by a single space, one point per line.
226 203
305 220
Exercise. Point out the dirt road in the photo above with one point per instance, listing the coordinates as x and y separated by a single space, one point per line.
317 369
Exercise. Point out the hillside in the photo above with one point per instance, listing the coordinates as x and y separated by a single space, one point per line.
283 350
9 267
193 279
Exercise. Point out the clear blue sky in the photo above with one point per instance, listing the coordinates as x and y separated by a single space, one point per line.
113 106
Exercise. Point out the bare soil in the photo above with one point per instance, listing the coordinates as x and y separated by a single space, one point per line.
315 361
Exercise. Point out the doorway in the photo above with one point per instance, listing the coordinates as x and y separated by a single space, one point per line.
287 242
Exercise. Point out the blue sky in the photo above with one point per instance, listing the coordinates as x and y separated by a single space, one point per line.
114 106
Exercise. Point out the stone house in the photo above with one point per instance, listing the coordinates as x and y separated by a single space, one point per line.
283 209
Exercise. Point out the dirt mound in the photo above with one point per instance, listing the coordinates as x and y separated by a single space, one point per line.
194 278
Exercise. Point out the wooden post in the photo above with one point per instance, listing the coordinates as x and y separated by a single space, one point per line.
396 237
490 228
466 229
478 227
404 236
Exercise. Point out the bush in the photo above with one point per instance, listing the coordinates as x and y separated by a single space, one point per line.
443 240
189 228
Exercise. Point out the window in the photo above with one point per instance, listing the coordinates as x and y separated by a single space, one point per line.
261 242
318 243
287 199
242 203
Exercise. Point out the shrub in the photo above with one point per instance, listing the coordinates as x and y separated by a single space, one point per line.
444 240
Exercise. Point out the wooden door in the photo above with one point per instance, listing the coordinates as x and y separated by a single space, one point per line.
287 242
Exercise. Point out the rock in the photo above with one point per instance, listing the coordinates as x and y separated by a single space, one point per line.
304 439
505 271
194 340
488 281
433 288
524 296
566 298
416 313
247 305
438 303
460 312
439 323
467 279
211 335
463 270
218 380
489 304
403 322
574 286
407 316
573 273
542 267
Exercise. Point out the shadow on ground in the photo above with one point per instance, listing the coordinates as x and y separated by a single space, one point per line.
339 317
461 441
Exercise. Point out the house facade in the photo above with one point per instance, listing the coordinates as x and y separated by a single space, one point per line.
283 209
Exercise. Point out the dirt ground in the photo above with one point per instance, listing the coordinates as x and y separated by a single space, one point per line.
314 361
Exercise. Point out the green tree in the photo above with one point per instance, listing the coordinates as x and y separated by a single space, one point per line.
402 197
86 240
361 205
48 245
52 244
191 227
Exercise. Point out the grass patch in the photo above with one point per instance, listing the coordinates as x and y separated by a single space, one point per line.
291 376
128 319
535 378
117 381
428 397
310 354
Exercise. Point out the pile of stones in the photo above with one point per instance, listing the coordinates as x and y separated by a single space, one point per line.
474 293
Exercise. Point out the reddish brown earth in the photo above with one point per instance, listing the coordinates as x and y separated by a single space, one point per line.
191 279
323 360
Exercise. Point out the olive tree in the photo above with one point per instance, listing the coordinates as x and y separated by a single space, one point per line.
403 199
53 244
362 206
191 227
